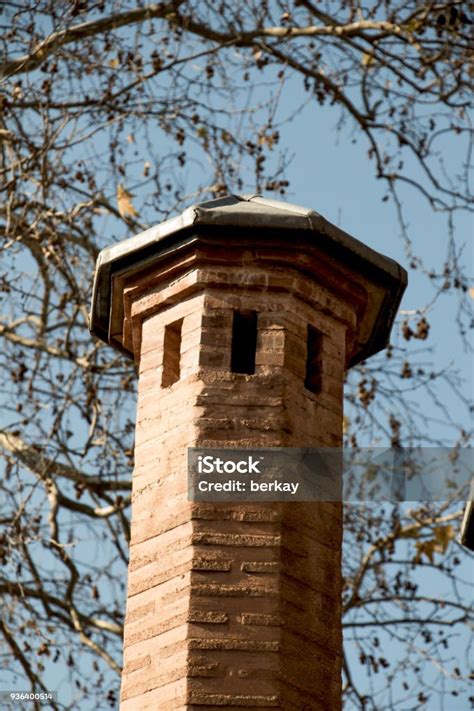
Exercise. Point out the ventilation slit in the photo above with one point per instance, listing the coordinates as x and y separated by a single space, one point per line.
171 353
244 342
314 360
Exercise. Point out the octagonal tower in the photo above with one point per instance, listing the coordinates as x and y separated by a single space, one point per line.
242 315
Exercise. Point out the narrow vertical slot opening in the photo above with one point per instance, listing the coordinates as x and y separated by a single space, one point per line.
314 360
172 353
244 342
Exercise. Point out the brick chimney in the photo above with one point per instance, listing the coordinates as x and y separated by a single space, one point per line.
242 315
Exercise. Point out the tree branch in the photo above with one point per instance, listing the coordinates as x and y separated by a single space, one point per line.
55 41
38 463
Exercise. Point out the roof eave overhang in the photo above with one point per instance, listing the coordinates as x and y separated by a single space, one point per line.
158 243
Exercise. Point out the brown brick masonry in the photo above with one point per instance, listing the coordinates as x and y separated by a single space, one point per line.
242 315
238 605
234 605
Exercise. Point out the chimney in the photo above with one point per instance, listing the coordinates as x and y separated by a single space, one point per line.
242 315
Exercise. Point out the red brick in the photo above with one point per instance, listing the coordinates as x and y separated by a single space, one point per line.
228 602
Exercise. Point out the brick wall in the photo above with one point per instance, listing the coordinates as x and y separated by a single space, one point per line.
233 605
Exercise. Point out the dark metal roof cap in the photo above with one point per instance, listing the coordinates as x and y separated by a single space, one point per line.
241 211
246 211
467 527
